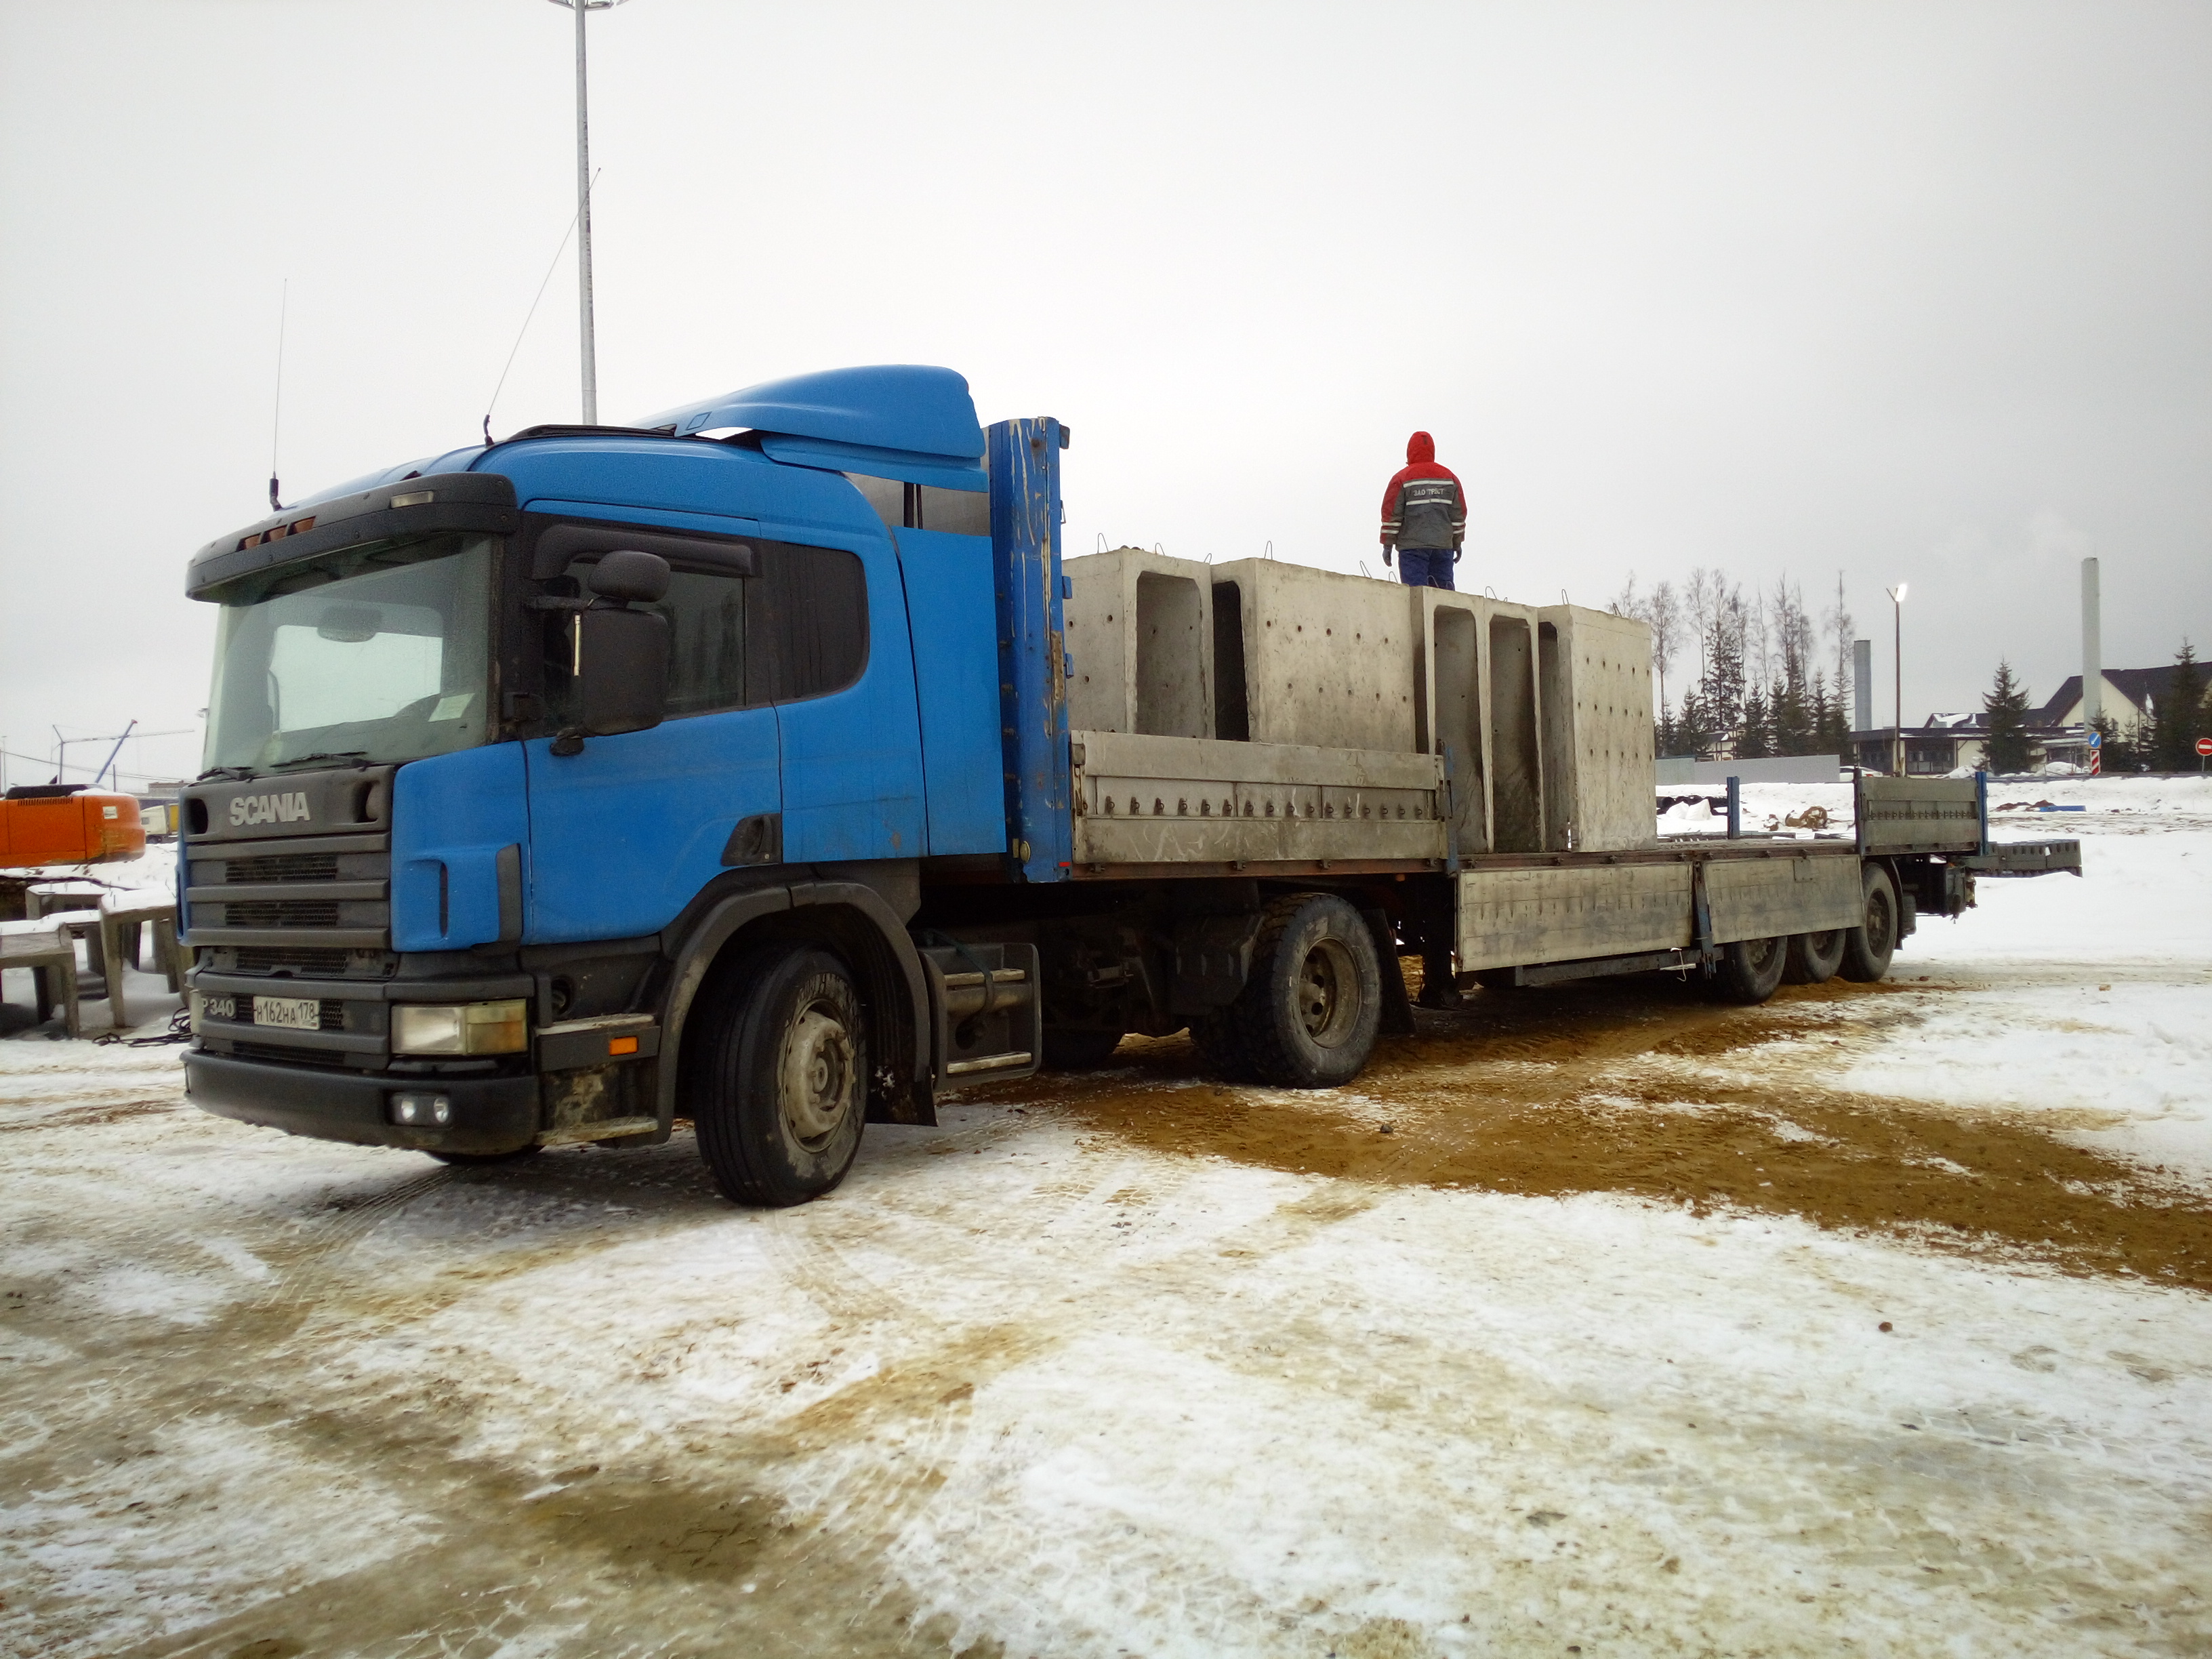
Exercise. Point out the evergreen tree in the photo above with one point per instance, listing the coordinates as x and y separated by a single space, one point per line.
2180 720
1756 739
2005 748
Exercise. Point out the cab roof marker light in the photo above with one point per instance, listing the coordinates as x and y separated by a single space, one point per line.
415 498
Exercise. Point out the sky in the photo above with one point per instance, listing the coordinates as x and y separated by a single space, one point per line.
1890 292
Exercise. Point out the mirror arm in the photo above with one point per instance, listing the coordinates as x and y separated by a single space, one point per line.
567 741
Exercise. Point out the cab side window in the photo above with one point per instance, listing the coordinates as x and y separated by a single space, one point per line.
749 624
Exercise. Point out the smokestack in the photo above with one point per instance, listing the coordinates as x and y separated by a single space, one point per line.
1862 685
2093 648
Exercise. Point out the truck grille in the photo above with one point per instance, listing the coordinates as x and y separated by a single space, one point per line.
314 907
283 866
305 961
282 913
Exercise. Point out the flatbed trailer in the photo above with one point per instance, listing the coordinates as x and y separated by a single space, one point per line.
767 765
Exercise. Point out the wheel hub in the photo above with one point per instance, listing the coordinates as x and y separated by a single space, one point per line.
1328 993
817 1075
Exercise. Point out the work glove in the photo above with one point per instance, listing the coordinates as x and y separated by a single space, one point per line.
1386 555
1454 556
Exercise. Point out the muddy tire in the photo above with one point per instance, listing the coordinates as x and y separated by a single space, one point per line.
1750 971
1868 946
777 1075
1066 1050
1814 957
1221 1046
1309 1014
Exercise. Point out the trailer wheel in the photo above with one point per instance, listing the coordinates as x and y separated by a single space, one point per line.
778 1078
1814 957
1750 970
1077 1050
1868 946
1308 1015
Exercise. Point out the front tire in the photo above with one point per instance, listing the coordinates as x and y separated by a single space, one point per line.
1750 971
1308 1016
1868 946
1814 957
777 1079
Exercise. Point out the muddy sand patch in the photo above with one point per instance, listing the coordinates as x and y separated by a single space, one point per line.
1545 1095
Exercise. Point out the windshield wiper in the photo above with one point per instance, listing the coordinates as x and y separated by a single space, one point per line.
237 773
327 754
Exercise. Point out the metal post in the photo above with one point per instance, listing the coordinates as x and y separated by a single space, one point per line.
1735 808
1897 655
2093 652
1982 812
590 349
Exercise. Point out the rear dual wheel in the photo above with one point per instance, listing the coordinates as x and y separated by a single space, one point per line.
1308 1016
1868 946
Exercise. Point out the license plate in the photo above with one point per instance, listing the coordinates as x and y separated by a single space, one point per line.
289 1013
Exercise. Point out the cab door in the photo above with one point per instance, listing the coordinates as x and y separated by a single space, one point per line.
625 834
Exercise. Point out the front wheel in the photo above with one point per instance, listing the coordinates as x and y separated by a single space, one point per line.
1308 1013
778 1075
1814 957
1868 946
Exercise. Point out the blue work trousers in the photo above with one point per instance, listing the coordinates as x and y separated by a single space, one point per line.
1425 567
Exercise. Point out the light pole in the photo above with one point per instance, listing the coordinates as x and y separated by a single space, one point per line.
590 349
1897 655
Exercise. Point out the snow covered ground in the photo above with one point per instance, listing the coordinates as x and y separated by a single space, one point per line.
1875 1321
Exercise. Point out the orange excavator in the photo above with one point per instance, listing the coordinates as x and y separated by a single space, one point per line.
68 823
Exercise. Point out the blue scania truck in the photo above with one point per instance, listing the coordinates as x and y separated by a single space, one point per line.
721 768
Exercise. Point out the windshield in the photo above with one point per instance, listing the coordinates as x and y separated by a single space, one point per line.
374 652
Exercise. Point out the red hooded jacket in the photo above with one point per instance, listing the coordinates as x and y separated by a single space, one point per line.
1424 507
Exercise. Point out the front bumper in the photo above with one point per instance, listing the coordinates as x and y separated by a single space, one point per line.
490 1115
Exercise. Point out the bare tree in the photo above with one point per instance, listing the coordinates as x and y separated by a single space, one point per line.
1840 627
1661 611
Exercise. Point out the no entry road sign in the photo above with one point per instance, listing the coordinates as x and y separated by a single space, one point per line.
2204 745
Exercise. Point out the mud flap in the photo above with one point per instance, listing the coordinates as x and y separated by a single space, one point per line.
1397 1007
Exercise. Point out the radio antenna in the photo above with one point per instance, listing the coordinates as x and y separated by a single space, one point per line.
276 414
532 313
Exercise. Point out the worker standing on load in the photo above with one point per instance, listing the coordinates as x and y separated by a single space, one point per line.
1424 517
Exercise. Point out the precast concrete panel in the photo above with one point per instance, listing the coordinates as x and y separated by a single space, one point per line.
1140 638
1328 658
1594 670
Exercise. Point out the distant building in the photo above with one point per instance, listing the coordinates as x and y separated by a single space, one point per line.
1951 742
2130 695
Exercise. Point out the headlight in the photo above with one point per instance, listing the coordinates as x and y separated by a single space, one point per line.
468 1027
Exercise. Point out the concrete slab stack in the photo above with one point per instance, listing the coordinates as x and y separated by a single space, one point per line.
1540 716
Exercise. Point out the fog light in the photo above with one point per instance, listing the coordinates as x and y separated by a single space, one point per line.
422 1111
467 1028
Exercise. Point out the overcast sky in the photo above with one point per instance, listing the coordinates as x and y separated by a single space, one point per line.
1917 292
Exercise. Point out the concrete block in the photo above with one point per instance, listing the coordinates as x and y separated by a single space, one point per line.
1477 705
1312 657
1594 672
1140 641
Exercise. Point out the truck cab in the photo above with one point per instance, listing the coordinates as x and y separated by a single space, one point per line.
548 779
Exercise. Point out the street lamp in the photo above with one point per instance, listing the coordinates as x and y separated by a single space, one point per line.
1897 655
591 356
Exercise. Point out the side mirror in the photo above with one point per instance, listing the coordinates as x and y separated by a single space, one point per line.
625 671
622 675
